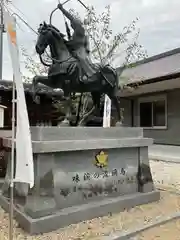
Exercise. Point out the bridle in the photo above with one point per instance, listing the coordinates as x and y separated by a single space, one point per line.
56 33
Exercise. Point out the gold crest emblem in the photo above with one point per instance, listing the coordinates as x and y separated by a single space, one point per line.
101 160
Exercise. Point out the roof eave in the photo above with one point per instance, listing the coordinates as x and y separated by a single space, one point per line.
154 80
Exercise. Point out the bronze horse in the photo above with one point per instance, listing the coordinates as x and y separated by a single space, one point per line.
66 72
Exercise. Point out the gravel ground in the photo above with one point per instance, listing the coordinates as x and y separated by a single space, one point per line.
169 231
166 175
95 228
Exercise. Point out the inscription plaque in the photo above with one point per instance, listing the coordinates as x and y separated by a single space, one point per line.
99 183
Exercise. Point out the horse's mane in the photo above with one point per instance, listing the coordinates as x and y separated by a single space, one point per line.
50 26
57 30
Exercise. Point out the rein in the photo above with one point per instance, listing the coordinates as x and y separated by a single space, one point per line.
57 35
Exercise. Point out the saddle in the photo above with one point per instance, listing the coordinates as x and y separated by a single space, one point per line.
101 74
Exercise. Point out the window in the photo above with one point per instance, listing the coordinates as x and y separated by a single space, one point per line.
152 112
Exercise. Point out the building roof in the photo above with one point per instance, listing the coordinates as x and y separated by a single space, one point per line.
161 65
8 85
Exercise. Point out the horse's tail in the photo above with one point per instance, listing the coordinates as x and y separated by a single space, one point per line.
117 79
116 82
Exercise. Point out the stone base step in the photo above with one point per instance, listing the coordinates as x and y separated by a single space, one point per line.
73 215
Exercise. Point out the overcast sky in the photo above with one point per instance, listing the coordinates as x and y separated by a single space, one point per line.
159 22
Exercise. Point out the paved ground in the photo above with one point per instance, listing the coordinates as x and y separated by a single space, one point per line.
165 153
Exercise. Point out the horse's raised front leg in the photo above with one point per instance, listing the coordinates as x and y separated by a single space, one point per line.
35 81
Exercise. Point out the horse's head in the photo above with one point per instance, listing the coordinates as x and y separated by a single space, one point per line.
46 34
43 39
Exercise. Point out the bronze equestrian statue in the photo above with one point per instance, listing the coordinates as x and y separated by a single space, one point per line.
72 69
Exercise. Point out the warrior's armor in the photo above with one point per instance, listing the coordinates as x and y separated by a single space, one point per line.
79 45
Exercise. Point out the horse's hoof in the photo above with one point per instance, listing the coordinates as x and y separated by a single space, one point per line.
64 123
81 124
118 124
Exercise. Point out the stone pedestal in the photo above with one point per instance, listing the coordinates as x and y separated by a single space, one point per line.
82 173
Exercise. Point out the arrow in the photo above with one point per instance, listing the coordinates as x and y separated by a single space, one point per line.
78 1
83 4
65 2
